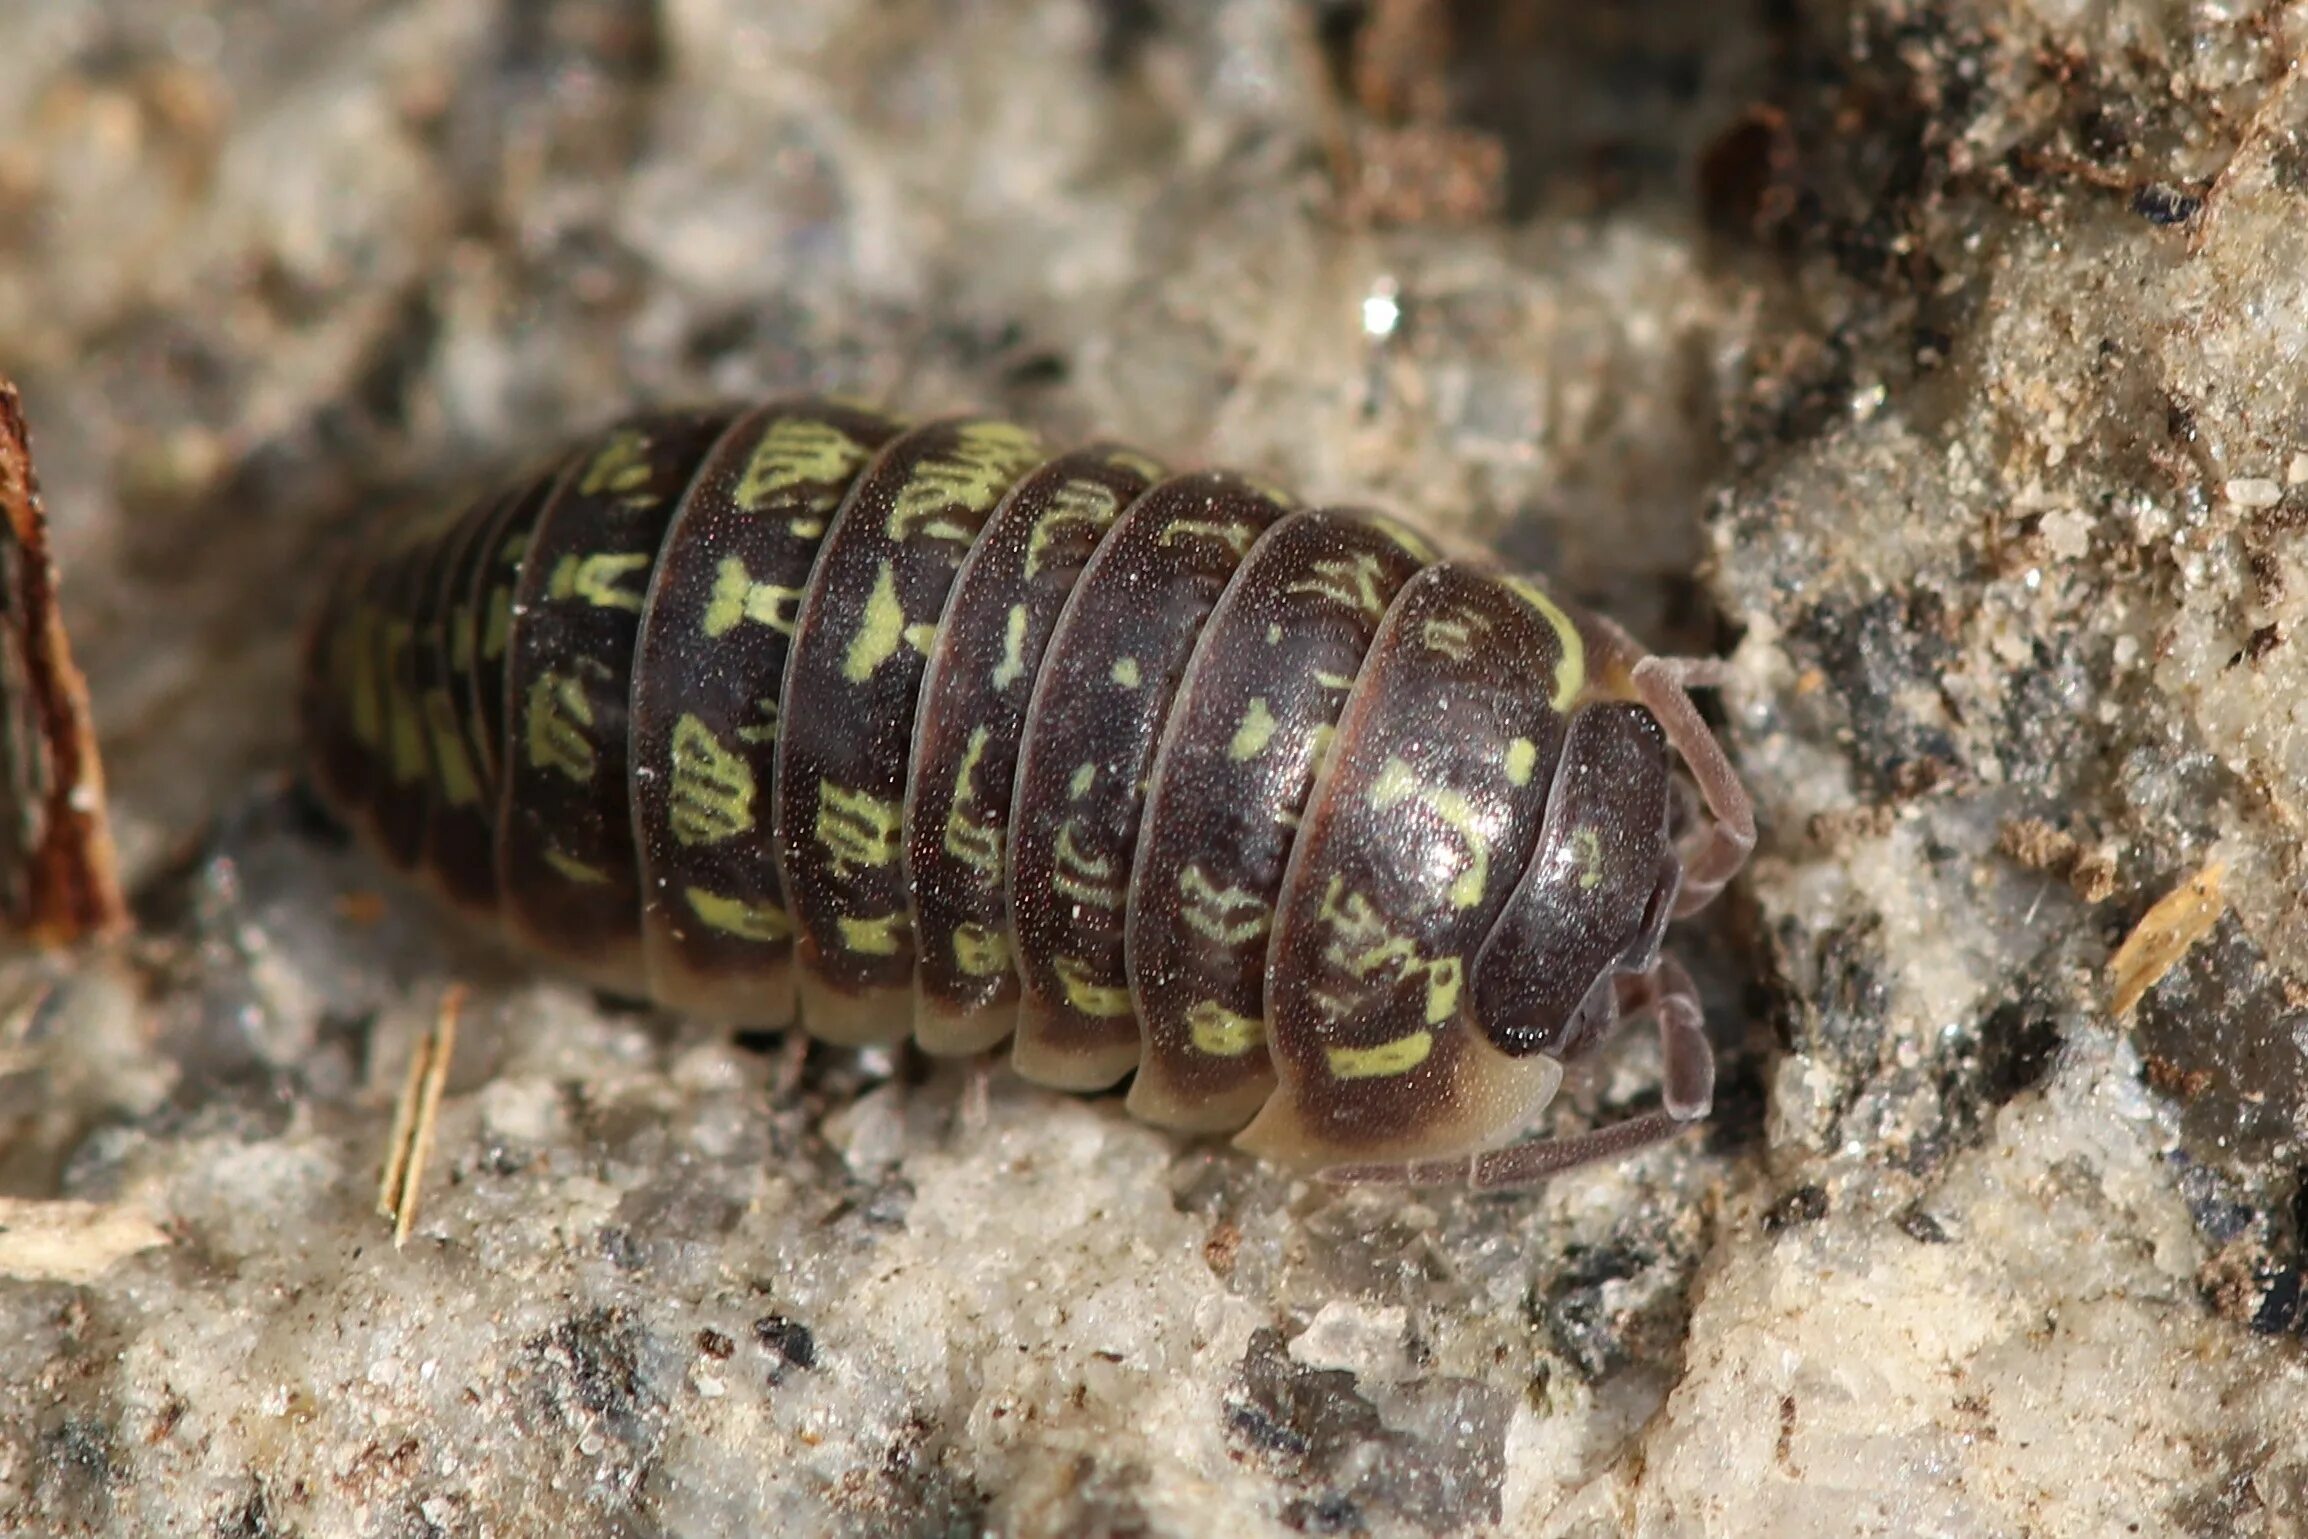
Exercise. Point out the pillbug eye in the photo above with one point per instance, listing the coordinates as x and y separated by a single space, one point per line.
796 714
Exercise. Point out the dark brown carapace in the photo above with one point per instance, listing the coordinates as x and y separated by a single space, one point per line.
1339 846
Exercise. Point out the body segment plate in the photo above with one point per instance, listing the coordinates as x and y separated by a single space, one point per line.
847 728
487 618
1238 757
1419 828
708 673
565 852
989 650
403 781
1113 664
459 850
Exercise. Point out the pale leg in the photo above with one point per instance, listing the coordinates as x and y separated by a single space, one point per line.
977 1108
1714 853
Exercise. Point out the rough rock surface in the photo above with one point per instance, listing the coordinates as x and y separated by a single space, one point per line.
1949 364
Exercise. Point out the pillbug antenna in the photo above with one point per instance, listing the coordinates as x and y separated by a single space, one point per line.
1715 853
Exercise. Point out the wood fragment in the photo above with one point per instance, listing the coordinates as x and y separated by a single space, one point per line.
2165 934
58 882
72 1242
416 1114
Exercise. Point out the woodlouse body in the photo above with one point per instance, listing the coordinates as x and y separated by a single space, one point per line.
918 730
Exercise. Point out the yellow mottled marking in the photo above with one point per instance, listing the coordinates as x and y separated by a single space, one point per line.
969 840
1453 634
1364 947
1348 581
1013 663
1085 993
1418 549
797 451
367 702
1587 849
554 726
452 766
881 631
1222 1033
1329 680
1522 758
404 728
575 870
1227 915
499 628
981 952
879 936
973 753
1235 537
621 467
859 831
1125 672
738 598
595 580
1083 505
1444 979
766 732
1361 940
1571 667
1324 736
1084 878
1400 1056
985 459
764 922
1273 634
711 797
1085 776
1256 731
1132 460
1397 782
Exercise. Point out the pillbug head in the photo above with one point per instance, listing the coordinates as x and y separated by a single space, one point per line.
1596 896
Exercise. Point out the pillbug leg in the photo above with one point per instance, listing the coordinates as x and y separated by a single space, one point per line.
1523 1164
1666 993
977 1106
1688 1062
1717 851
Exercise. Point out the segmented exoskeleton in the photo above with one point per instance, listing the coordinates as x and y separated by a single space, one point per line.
1336 844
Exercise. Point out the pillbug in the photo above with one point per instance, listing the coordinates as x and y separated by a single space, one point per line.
1336 845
